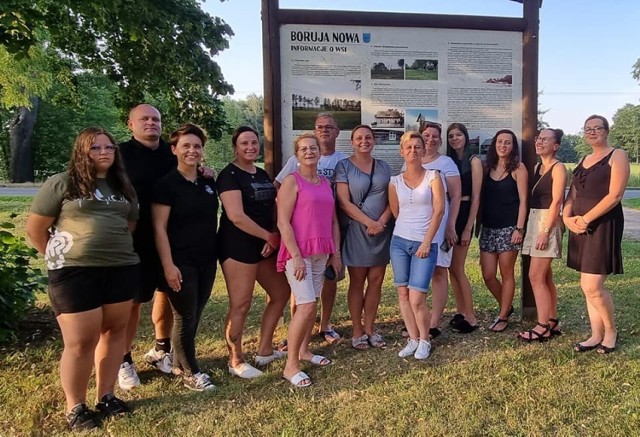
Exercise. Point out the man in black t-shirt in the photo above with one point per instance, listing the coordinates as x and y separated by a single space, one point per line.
147 159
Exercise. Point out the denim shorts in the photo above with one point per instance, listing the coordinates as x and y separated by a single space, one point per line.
409 270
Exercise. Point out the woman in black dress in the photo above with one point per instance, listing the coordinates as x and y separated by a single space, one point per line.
593 214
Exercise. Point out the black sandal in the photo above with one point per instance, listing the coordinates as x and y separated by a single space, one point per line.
554 328
584 348
498 321
536 336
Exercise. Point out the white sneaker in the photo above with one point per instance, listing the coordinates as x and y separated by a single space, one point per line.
409 349
423 351
159 359
127 376
199 382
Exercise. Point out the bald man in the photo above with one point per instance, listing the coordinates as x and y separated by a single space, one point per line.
147 158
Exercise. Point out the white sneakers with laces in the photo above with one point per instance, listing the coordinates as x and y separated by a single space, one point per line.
160 360
128 377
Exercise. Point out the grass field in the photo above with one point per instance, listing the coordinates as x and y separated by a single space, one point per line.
397 74
303 119
477 384
410 74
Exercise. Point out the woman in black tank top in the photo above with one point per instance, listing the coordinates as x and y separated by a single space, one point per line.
543 239
593 214
471 173
504 197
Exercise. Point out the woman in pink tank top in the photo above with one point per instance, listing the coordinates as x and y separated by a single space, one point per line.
310 237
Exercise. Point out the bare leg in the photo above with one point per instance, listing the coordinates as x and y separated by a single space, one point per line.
422 315
299 329
328 299
407 313
507 262
539 270
161 315
277 288
355 297
372 296
240 279
489 267
601 310
132 326
112 340
80 334
461 285
440 292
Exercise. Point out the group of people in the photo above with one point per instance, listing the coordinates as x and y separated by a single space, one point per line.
126 220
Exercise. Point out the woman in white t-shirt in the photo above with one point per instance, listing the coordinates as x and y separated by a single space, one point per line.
416 199
447 236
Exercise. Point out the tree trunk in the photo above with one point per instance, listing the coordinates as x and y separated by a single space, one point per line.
21 144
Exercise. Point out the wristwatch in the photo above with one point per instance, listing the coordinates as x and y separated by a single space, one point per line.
521 230
545 229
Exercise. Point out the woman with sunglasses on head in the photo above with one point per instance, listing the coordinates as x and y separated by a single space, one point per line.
504 211
362 188
185 219
593 214
81 221
543 239
471 174
310 239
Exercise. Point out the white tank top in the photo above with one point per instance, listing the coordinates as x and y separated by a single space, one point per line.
415 207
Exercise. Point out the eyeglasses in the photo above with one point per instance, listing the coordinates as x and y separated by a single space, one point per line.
308 149
544 140
593 130
109 149
327 127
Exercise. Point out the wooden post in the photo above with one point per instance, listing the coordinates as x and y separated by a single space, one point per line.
529 124
272 88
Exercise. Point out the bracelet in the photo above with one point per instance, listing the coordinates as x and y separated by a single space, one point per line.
520 230
545 229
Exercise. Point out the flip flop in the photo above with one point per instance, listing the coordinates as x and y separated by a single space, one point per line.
298 379
263 360
318 360
245 371
330 336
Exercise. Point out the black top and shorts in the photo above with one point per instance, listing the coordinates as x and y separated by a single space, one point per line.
258 203
500 204
145 167
599 250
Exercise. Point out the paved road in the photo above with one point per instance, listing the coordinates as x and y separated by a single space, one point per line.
18 191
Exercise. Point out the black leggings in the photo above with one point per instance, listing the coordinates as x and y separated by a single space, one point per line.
187 305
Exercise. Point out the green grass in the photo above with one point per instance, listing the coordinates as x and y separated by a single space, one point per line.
631 203
478 384
410 74
397 74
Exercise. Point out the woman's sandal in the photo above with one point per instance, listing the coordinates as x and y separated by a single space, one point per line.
535 335
496 322
554 327
360 343
578 347
604 350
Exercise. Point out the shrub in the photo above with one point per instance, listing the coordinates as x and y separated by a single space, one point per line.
18 280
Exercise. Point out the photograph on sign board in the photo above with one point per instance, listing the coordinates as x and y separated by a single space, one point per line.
418 117
504 80
421 69
388 69
339 96
388 118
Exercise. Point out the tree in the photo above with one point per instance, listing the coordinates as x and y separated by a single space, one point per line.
625 131
568 148
151 50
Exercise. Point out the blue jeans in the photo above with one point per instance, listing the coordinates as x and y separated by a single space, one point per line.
409 270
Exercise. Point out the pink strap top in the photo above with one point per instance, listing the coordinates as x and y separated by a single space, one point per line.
312 220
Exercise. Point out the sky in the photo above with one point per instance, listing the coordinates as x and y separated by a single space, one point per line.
587 48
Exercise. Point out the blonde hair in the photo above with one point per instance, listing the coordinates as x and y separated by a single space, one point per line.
296 143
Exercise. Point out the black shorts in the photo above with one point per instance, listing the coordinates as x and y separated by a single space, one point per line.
246 249
463 217
79 289
151 277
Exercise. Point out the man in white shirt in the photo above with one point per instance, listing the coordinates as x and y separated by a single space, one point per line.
326 130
